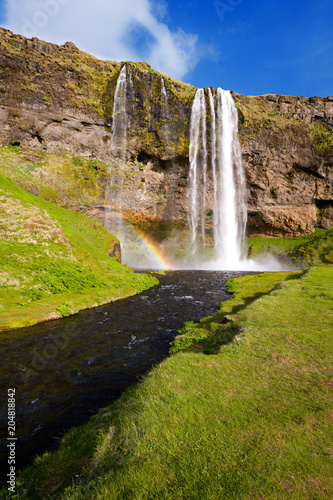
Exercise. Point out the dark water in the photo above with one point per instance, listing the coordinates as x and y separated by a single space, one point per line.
64 370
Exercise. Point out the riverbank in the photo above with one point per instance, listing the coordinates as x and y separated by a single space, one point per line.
252 420
55 262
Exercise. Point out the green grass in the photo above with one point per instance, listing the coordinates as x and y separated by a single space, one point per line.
253 421
214 331
59 178
55 262
313 249
322 137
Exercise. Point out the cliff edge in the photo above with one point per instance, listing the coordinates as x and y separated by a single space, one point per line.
57 100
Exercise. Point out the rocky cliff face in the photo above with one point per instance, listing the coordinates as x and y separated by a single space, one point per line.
287 145
57 98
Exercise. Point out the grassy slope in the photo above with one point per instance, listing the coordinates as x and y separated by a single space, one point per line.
61 179
54 262
252 421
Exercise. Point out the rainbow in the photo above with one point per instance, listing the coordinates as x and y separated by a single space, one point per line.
155 250
152 255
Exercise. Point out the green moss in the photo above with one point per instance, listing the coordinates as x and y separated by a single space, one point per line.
257 113
322 137
184 145
65 309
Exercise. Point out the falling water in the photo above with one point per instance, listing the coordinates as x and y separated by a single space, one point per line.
228 179
198 169
114 193
119 118
213 159
231 215
136 251
164 92
165 114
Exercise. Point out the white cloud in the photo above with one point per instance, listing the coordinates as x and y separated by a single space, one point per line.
108 29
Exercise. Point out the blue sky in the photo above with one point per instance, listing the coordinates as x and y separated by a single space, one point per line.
270 46
251 47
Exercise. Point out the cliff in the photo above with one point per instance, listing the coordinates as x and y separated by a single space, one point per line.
57 101
287 145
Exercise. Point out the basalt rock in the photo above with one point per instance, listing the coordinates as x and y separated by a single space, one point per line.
287 145
55 98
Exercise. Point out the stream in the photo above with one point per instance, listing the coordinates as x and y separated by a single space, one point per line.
64 370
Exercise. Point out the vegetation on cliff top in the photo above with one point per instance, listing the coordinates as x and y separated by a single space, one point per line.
182 90
54 262
250 421
64 75
56 75
271 113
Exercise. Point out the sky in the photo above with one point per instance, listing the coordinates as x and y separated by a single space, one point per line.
248 46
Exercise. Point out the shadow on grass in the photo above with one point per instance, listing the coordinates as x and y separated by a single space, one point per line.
223 327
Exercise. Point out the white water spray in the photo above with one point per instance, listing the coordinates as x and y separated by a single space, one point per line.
165 113
164 92
119 118
229 195
198 169
231 214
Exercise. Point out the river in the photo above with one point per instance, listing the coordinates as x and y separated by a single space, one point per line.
65 370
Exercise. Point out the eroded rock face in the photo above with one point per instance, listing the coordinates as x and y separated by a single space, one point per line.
288 155
58 98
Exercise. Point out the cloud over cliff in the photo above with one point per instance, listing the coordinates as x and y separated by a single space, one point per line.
110 29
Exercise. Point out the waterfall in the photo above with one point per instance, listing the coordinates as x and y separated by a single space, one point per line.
198 169
164 92
165 114
213 162
136 250
119 118
228 178
114 193
231 208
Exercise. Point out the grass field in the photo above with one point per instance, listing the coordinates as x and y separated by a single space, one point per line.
251 421
54 262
